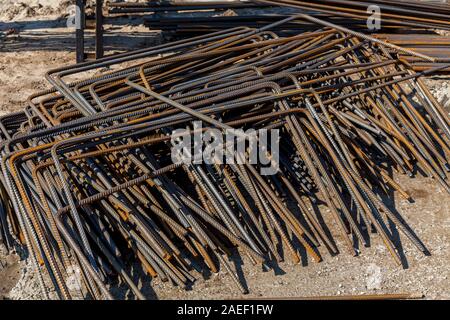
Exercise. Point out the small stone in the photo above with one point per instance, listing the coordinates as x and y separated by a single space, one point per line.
3 250
11 259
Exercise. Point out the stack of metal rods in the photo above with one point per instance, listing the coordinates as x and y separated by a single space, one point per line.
185 6
412 19
89 185
434 45
405 13
399 20
182 26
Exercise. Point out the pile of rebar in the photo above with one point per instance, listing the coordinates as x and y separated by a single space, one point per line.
393 17
398 20
407 21
178 5
437 46
409 13
89 185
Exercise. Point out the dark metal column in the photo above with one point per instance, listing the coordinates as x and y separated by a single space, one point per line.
80 25
99 50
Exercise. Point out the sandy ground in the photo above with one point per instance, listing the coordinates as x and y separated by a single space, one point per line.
41 42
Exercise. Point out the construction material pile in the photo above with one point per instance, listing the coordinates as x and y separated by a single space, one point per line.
179 5
409 13
89 182
437 46
410 22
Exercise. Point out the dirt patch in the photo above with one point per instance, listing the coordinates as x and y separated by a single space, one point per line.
418 193
11 10
440 88
25 71
9 274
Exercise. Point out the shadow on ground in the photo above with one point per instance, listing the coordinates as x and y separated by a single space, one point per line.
53 35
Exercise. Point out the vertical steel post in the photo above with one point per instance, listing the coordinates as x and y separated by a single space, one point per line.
79 33
99 49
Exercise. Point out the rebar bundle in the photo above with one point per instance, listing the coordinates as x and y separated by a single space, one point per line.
398 20
410 19
409 13
437 46
185 6
88 182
